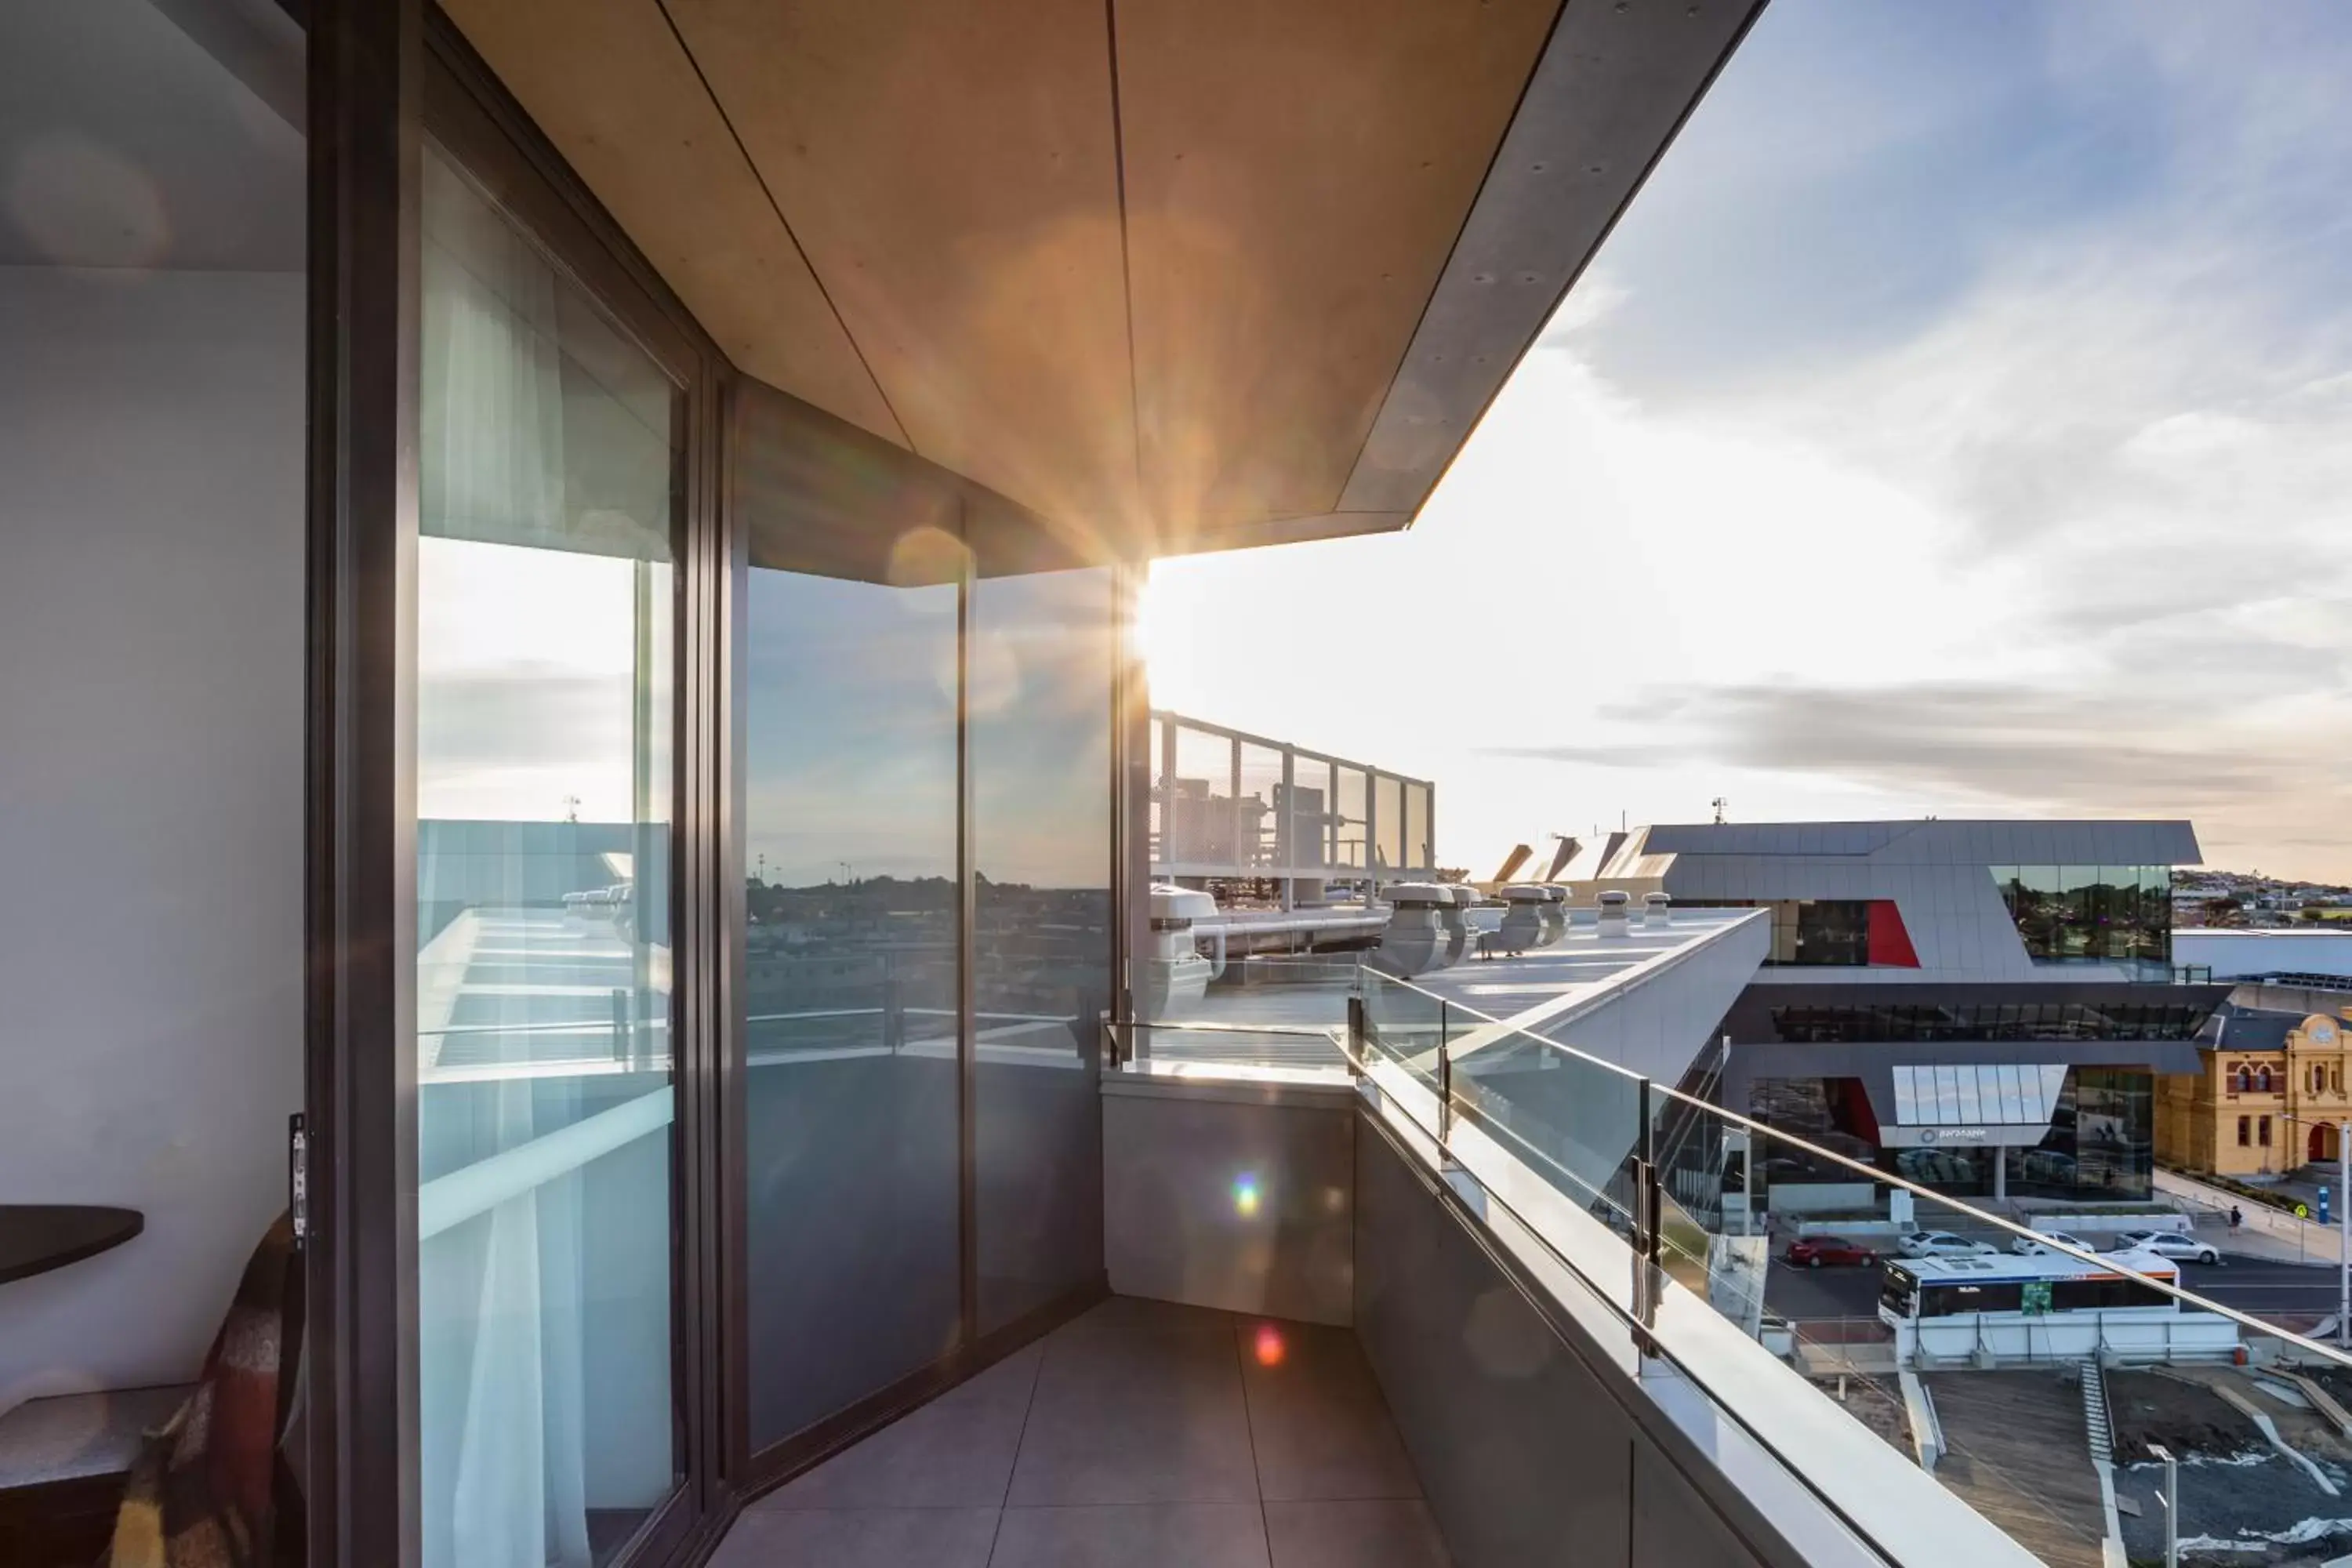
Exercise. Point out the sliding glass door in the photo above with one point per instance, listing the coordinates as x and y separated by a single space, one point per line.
549 479
925 762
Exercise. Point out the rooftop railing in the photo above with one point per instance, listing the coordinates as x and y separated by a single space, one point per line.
1818 1384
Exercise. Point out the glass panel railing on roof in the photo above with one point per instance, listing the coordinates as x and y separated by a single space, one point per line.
1900 1352
1351 810
1199 818
1257 830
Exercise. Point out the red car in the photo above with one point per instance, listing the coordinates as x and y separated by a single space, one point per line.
1812 1251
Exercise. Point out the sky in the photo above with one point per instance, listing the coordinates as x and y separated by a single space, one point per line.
1959 423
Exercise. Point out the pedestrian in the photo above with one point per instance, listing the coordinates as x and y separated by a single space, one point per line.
2236 1217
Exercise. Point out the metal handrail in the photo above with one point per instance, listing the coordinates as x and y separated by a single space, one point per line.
1645 1338
1945 1201
1300 1031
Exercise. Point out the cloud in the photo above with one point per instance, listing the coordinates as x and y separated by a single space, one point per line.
2000 748
1961 420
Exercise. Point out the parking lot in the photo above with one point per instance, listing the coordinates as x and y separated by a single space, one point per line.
2259 1285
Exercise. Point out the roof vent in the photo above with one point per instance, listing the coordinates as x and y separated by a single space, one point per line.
1612 904
1414 941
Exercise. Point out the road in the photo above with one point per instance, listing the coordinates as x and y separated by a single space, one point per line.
2255 1285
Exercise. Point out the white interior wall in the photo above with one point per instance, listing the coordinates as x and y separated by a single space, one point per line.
151 796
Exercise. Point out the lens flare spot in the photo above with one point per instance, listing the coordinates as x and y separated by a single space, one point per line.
1269 1346
1245 1197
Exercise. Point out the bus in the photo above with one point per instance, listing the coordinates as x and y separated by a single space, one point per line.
2003 1310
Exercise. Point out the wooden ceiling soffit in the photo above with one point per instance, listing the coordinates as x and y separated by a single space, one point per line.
950 167
1295 177
611 87
1208 538
1613 87
812 493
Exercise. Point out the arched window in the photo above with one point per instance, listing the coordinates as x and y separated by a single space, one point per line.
2263 1079
2245 1078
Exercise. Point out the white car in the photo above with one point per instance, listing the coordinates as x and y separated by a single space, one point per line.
2038 1246
2168 1244
1938 1244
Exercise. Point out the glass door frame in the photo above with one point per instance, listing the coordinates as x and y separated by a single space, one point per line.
386 74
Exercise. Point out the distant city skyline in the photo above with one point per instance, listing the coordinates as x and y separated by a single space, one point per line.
1959 422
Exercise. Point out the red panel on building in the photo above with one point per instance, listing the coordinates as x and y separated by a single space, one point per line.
1852 1109
1890 944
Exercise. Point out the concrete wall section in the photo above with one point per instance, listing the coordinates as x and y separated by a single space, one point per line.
151 796
1235 1196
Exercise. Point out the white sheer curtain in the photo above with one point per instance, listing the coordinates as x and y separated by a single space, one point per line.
502 1418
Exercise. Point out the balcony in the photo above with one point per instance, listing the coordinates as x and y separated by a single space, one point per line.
1143 1432
1427 1286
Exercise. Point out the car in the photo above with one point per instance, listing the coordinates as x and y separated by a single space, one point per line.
2037 1245
2168 1244
1813 1251
1938 1244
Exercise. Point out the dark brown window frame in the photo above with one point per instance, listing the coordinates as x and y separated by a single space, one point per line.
384 76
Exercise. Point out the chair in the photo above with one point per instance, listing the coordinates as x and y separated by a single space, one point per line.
211 1485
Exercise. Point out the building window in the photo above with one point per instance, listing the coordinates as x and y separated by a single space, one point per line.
2090 914
1879 1022
2245 1131
550 485
2266 1131
2245 1080
1821 932
2262 1082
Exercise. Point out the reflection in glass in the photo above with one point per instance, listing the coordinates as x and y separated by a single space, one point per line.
1042 657
850 991
2108 914
548 464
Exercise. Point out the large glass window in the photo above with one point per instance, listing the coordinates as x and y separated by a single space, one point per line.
549 470
2109 914
1042 657
850 1083
1820 931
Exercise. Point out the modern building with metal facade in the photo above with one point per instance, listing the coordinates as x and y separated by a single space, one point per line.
1980 1006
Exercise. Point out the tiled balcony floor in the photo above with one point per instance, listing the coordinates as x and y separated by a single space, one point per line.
1141 1435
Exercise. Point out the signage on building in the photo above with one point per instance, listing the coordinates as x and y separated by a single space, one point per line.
2005 1135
